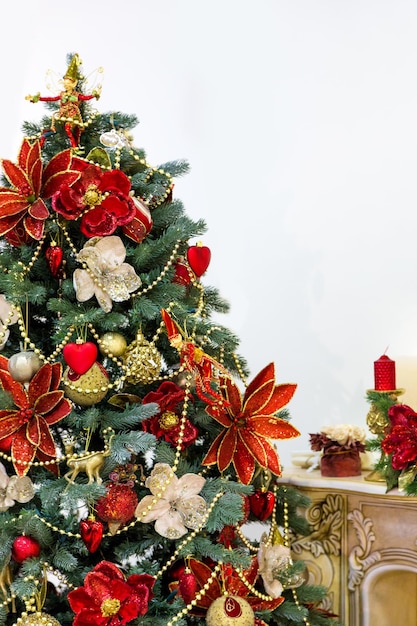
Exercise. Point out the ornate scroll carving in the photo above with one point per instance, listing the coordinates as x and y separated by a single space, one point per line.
326 520
361 557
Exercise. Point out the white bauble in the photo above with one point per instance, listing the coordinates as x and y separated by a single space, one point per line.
24 365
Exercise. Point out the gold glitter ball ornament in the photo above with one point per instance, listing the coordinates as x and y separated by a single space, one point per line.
142 361
230 611
38 619
89 388
113 343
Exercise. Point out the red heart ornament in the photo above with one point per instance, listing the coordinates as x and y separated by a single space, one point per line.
262 504
91 531
199 257
54 256
80 356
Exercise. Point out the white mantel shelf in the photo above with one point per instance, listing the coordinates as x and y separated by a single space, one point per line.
313 479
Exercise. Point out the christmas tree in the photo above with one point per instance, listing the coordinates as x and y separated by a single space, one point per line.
134 452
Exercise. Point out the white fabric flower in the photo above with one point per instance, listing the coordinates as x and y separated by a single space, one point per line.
273 560
179 508
104 257
15 488
6 313
344 433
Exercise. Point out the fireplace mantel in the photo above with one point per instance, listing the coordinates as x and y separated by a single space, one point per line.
363 547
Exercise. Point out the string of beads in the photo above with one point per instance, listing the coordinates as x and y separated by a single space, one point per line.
287 543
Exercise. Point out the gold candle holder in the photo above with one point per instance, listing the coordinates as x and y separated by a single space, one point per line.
377 422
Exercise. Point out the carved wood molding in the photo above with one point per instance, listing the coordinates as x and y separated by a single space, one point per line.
361 556
326 522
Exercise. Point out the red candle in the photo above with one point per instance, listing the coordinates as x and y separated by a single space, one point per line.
384 374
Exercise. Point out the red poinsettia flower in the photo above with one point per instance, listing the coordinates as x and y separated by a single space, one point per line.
27 427
230 581
102 200
401 437
108 598
249 422
166 423
22 206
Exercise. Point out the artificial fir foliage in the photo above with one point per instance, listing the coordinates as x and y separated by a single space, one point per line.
134 452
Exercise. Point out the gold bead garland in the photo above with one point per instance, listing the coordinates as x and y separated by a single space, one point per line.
70 120
27 268
56 461
239 369
34 258
251 588
287 543
33 602
154 170
198 596
163 273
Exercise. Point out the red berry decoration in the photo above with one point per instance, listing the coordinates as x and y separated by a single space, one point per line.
199 257
91 531
118 505
80 356
54 256
25 547
262 504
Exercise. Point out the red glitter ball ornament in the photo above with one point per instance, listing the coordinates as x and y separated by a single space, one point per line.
25 547
118 506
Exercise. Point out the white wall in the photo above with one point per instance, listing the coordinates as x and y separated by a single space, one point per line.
299 120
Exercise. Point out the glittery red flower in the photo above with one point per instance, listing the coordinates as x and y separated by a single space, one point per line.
249 422
22 206
401 437
108 598
100 198
39 406
166 423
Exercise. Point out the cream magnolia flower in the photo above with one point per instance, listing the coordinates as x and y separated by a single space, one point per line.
344 433
180 507
108 277
7 314
273 560
15 488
